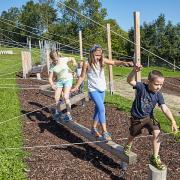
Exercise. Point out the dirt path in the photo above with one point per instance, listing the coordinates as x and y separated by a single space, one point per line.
124 89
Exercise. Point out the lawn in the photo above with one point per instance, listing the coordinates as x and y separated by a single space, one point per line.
12 164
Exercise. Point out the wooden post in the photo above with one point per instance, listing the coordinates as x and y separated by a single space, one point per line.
29 54
148 60
137 46
155 174
111 86
26 62
38 75
23 64
80 44
47 60
174 65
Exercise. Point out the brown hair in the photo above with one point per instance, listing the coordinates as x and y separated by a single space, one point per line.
91 59
154 74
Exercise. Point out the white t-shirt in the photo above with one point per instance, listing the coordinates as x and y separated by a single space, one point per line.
96 78
61 69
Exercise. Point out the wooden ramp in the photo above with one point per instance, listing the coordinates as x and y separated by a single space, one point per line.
110 146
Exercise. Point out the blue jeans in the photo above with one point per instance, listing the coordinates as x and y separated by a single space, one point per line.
99 112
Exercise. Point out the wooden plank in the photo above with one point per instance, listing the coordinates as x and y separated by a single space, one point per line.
46 90
110 146
75 99
37 69
155 174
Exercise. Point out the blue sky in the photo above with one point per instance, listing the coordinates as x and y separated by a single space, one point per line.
122 10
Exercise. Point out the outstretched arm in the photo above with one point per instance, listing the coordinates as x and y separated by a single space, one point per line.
169 115
117 63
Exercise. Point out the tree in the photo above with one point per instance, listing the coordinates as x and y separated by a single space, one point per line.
93 10
8 22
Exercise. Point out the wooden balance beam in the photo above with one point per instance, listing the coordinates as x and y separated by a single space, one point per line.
46 90
110 146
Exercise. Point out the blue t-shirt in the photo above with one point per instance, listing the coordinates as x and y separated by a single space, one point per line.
145 101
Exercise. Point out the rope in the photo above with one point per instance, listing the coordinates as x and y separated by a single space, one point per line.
70 144
14 41
26 114
19 88
38 30
54 145
38 37
117 34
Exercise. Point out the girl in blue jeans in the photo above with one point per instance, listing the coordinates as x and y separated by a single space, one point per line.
94 68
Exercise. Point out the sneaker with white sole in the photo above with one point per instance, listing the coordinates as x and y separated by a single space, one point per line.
107 136
68 118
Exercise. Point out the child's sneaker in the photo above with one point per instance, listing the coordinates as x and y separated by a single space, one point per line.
58 116
68 118
127 149
95 133
156 162
107 136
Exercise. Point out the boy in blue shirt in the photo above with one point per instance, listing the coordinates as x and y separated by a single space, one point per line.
147 96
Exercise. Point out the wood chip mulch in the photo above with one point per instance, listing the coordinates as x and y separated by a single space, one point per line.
85 161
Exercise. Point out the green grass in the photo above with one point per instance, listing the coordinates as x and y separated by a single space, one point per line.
124 71
125 105
11 161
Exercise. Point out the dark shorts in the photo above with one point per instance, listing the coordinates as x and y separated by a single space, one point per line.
138 124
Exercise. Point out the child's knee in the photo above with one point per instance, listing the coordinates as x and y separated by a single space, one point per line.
156 134
66 97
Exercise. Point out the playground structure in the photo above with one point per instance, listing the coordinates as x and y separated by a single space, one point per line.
111 147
